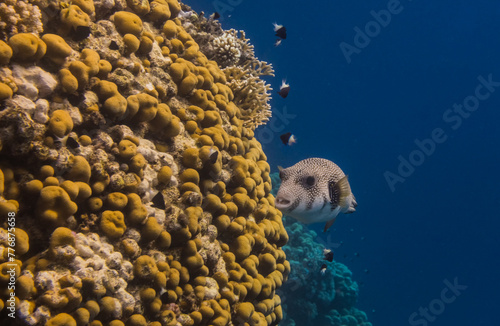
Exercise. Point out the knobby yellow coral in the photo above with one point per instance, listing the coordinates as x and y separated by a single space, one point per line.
141 194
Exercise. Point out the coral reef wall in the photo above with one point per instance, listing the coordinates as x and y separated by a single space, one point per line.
130 171
309 297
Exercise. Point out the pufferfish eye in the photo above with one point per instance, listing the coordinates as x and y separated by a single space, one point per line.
310 180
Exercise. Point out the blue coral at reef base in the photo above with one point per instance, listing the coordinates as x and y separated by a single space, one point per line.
308 297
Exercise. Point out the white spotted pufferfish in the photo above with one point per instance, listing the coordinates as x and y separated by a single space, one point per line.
314 190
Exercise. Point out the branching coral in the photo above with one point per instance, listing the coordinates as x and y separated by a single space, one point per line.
244 71
251 93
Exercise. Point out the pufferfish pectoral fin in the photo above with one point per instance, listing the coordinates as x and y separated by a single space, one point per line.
339 192
330 222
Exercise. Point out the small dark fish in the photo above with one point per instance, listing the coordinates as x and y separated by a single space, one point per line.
280 31
284 89
72 143
214 154
277 42
158 201
323 269
81 33
113 46
288 139
328 254
216 15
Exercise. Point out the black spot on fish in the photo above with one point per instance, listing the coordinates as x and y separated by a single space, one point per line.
310 181
81 33
324 202
158 201
72 143
294 205
113 46
310 203
216 15
283 92
281 32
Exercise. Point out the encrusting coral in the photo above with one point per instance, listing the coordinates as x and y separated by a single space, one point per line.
128 159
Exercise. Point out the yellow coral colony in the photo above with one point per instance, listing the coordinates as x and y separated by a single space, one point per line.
129 166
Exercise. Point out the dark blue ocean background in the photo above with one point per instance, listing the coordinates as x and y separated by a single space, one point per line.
442 222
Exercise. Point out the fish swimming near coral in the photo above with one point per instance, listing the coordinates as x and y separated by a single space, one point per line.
323 269
315 190
284 89
288 139
277 42
158 201
280 31
72 143
328 255
81 33
214 154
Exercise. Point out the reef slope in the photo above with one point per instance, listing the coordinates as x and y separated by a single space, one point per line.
129 166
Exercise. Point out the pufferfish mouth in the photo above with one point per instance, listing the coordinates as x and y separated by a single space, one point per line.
281 202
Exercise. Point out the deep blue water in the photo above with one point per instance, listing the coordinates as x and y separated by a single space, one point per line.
442 222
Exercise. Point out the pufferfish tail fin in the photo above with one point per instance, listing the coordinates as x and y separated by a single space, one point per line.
339 192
